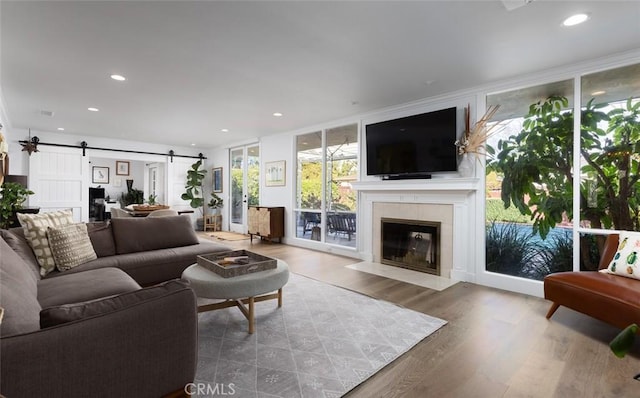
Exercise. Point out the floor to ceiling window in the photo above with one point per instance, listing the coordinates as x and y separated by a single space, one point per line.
531 193
529 180
610 158
327 163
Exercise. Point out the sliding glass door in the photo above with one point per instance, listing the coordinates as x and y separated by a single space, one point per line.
327 163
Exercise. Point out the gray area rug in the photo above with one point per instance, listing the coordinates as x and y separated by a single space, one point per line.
323 342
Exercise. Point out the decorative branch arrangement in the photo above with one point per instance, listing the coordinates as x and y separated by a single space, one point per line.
474 139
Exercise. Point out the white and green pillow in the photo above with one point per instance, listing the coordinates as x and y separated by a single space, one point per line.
626 261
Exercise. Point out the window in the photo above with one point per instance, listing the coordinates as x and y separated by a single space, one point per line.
327 163
530 170
529 179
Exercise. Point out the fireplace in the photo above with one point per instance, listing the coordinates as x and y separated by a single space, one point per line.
412 244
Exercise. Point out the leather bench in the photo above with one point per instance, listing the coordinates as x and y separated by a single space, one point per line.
610 298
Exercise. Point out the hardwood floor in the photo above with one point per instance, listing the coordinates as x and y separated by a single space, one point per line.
496 344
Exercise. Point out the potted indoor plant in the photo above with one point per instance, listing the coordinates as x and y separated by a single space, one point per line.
215 204
12 197
193 193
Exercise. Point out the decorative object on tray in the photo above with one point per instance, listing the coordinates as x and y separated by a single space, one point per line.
236 263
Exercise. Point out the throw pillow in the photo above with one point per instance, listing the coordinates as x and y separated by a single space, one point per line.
102 238
35 231
70 245
626 261
53 316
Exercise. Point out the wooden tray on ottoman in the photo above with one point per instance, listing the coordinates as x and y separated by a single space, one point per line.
254 262
149 207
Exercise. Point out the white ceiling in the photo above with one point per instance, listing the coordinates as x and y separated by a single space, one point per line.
194 68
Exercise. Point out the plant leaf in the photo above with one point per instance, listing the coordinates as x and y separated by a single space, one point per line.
623 342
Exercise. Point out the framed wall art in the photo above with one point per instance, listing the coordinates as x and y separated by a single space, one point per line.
275 174
217 179
100 175
122 168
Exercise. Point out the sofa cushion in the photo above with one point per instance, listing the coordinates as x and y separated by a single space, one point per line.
101 237
70 245
84 286
137 234
16 240
35 231
18 294
71 312
150 267
626 260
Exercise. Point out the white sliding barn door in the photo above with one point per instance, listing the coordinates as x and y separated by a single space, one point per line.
59 178
176 180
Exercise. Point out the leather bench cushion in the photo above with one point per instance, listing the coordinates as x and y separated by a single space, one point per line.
136 234
77 287
150 267
610 298
18 293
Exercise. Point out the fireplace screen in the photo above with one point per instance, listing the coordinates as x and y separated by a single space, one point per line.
411 244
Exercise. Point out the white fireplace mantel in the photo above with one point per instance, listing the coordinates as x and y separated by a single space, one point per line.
457 192
435 184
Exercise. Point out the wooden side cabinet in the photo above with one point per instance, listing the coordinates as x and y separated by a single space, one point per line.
266 222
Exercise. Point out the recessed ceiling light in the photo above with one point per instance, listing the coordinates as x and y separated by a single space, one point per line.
61 128
575 19
192 144
225 130
277 114
92 109
119 78
598 92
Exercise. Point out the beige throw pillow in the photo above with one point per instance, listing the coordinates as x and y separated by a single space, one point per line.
70 245
35 231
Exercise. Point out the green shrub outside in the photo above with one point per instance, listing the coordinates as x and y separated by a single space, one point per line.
511 251
497 212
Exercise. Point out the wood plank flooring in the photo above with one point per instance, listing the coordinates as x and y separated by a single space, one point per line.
496 344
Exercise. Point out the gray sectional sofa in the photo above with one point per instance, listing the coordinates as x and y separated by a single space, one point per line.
95 330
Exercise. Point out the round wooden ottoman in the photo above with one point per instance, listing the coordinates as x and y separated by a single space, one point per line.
242 291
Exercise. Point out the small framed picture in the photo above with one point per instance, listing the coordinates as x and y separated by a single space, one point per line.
100 175
275 173
122 168
217 179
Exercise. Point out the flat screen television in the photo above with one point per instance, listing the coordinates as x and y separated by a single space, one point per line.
413 146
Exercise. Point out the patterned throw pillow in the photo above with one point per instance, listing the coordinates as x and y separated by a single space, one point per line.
626 261
35 231
70 245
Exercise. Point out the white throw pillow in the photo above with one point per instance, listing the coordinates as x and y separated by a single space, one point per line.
70 245
35 231
626 261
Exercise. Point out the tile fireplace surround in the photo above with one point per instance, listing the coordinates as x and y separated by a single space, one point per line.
450 201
